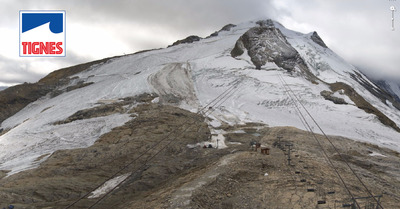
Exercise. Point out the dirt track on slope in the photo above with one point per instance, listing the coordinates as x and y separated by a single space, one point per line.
174 84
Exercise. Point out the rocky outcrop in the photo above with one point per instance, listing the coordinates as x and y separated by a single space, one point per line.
328 95
80 84
100 111
15 98
193 38
238 49
108 109
225 28
266 43
318 40
189 39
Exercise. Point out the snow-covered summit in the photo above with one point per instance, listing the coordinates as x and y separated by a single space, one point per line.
190 75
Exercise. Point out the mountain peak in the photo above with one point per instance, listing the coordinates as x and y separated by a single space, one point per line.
266 23
189 39
318 40
266 43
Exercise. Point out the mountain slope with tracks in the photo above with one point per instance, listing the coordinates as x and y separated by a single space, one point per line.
138 124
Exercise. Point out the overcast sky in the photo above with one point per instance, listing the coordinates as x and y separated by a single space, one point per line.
358 30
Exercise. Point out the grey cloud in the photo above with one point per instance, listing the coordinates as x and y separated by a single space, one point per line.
72 58
18 71
179 15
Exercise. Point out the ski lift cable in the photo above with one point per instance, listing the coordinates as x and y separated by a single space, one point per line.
234 85
227 95
336 150
317 140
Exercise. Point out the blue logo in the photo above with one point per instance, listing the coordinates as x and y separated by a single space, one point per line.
42 33
33 20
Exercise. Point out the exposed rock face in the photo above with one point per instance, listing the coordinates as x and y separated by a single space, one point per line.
15 98
315 37
225 28
228 27
238 49
107 109
189 39
100 111
79 85
328 96
193 38
265 44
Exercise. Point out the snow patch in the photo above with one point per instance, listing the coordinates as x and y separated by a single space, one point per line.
215 123
156 100
376 154
238 132
338 94
235 143
217 141
21 146
108 186
390 104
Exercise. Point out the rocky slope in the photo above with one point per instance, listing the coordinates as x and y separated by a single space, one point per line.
266 43
182 177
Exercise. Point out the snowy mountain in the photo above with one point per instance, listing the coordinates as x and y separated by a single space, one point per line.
257 63
204 69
